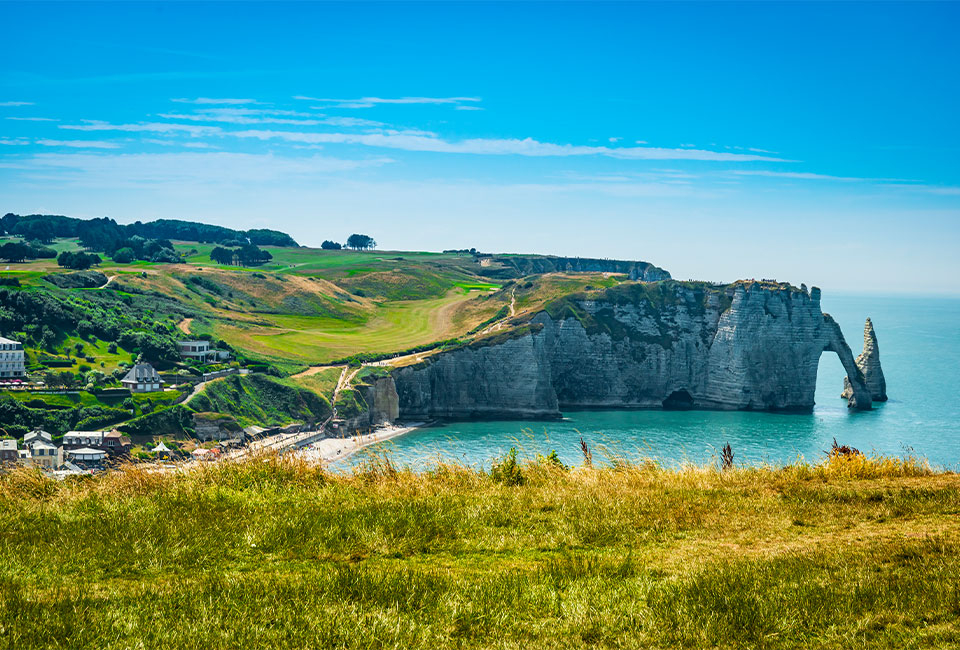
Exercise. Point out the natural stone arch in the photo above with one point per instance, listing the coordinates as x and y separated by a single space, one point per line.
859 397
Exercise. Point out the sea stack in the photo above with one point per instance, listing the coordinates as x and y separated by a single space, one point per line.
869 364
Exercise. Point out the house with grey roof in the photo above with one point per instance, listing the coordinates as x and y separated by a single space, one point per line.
142 378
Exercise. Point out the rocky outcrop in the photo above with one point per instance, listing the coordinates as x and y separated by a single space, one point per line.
869 364
376 403
514 266
750 345
215 426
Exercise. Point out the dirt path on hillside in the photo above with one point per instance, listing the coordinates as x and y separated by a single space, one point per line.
498 325
184 325
312 370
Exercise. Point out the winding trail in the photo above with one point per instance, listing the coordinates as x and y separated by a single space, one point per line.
184 325
498 325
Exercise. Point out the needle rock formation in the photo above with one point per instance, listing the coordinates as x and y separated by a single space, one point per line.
869 364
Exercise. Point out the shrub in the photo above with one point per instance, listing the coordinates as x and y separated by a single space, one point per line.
507 469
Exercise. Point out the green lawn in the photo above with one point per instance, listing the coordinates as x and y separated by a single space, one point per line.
99 350
322 382
275 554
313 340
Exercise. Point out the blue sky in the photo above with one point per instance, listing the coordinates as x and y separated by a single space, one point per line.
813 143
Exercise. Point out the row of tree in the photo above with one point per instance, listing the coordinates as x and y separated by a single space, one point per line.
100 232
247 255
21 252
78 261
354 241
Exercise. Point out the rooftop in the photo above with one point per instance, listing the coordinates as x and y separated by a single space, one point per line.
143 372
6 340
85 451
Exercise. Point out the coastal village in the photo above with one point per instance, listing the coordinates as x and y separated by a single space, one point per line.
85 452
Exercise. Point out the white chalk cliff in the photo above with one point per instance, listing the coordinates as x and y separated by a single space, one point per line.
748 345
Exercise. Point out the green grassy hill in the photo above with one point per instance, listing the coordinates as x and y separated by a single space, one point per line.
304 307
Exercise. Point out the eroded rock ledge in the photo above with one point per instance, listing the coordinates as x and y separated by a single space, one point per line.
748 345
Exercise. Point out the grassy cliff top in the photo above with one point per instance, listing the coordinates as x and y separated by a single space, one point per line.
275 553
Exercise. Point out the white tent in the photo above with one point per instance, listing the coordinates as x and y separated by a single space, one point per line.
161 448
86 454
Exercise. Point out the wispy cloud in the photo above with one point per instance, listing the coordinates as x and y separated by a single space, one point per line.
16 103
468 108
269 116
486 146
147 127
180 169
810 176
33 119
178 143
79 144
228 117
369 102
14 142
213 100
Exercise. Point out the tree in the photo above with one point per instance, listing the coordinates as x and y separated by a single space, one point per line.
78 261
252 255
15 252
222 255
124 255
361 242
328 245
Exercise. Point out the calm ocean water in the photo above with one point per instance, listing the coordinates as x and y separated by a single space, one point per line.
919 342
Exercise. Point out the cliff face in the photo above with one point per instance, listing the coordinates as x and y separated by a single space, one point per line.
673 345
869 363
512 266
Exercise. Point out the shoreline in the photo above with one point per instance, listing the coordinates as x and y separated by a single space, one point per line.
333 450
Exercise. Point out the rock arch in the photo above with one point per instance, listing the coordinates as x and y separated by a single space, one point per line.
859 397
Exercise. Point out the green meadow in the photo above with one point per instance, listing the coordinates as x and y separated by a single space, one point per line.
272 553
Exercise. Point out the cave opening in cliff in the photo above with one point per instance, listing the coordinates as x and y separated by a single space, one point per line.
678 400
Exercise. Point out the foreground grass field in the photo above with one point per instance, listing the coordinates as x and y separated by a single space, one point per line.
271 553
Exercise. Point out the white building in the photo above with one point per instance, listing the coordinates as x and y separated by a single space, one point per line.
77 439
201 351
11 359
40 451
194 350
142 378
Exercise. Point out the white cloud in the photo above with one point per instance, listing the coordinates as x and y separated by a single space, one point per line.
180 169
178 143
33 119
614 139
806 176
269 116
14 142
468 108
211 100
149 127
238 119
80 144
481 146
369 102
16 103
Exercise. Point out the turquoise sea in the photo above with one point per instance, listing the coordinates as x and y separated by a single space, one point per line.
919 341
